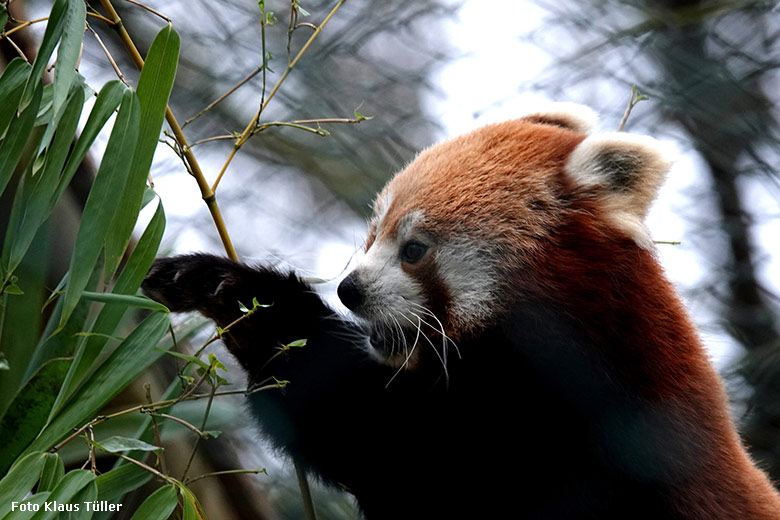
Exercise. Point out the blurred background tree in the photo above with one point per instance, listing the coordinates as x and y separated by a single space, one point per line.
296 198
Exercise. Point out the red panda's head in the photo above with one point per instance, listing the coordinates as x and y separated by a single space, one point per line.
455 234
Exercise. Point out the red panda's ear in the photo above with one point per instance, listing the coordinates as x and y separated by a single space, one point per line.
578 118
627 171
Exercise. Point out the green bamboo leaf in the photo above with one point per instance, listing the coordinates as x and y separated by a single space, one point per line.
108 99
134 355
139 302
20 480
29 409
187 357
68 52
101 202
67 491
127 283
154 88
62 342
86 499
118 443
192 509
31 203
51 36
52 119
159 505
52 473
115 484
3 16
17 137
11 87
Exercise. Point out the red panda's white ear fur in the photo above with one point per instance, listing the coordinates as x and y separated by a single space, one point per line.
579 118
627 171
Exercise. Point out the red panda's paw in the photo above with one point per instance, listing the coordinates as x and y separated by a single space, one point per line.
192 282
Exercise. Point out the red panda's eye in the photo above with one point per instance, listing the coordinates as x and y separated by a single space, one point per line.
412 252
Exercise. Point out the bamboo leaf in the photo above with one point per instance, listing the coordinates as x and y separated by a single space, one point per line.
53 471
68 52
11 87
20 480
126 300
54 28
66 492
192 509
134 355
115 484
101 202
16 138
108 99
87 495
159 505
62 342
118 443
31 203
154 88
127 283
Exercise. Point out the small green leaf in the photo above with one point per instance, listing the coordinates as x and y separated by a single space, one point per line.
191 359
51 36
192 509
68 52
108 99
297 343
118 444
17 136
214 362
13 289
140 302
67 491
52 473
11 87
159 505
361 117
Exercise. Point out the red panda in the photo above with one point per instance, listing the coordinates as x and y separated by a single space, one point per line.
518 351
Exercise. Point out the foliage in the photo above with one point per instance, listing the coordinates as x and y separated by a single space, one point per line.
64 357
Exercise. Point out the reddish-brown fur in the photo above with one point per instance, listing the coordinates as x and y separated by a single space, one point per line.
505 185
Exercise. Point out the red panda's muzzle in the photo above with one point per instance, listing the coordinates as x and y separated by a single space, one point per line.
350 291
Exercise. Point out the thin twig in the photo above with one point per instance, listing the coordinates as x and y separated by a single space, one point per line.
636 97
247 133
200 432
223 96
226 472
156 427
108 55
156 13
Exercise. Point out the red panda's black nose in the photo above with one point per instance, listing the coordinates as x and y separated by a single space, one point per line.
350 291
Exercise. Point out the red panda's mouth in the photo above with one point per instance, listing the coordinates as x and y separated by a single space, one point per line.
399 347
